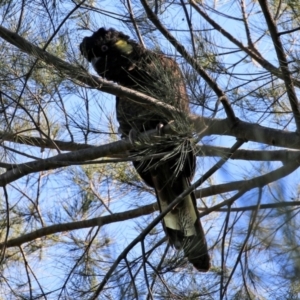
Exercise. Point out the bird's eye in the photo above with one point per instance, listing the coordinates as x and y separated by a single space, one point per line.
104 48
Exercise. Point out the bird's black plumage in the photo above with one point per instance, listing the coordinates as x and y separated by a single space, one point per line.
118 58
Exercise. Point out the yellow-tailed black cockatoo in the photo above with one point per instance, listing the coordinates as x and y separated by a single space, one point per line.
118 58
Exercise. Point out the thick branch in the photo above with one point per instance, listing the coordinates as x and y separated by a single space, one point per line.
259 181
117 217
86 154
247 185
79 74
203 150
42 142
67 159
249 132
243 130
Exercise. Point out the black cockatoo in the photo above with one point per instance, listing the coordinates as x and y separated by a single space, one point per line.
118 58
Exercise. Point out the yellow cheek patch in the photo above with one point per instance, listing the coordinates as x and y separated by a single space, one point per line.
123 46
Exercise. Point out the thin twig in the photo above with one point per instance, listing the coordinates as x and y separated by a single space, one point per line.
27 272
136 295
245 20
3 248
79 260
158 268
171 206
282 60
144 263
190 25
133 20
253 54
223 250
250 228
193 62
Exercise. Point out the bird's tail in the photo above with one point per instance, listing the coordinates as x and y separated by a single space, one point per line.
182 225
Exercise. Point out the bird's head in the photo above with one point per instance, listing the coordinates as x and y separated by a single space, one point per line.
109 51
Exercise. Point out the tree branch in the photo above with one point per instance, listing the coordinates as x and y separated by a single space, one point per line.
242 186
244 130
79 74
247 185
253 54
193 62
117 217
257 155
286 75
203 150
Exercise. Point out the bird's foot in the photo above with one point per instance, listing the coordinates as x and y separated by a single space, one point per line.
133 136
159 128
163 128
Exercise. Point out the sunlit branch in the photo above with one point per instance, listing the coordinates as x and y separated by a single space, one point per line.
246 24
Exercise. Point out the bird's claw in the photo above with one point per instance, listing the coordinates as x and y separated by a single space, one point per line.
159 128
133 136
162 128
